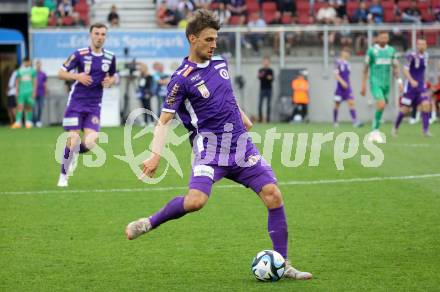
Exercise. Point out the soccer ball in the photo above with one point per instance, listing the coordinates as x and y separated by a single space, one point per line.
376 136
268 265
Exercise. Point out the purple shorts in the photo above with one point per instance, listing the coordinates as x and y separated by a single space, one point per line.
80 120
343 95
414 98
255 176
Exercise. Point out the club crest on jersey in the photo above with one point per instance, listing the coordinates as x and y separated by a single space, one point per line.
203 90
87 67
224 74
105 67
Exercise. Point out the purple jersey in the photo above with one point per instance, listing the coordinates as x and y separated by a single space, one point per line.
202 96
41 83
342 68
416 63
85 98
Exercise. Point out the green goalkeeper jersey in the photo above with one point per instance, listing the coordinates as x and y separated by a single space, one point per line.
25 77
380 61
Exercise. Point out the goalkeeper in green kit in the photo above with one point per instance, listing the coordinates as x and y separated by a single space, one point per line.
380 59
26 85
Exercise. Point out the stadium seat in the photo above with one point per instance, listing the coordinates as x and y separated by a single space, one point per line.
427 15
67 21
388 15
214 5
252 6
269 16
352 6
303 8
269 7
286 19
403 4
317 6
52 20
431 37
304 19
234 20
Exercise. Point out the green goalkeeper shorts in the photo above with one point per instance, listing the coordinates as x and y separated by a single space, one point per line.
380 93
26 99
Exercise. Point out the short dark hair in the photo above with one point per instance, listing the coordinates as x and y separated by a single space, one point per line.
97 25
202 19
26 59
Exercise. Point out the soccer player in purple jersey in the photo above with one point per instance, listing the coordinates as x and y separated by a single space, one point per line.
94 70
415 91
343 88
200 91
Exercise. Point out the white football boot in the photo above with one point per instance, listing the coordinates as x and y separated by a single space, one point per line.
292 273
137 228
63 181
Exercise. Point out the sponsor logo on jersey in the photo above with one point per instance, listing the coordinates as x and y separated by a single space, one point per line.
196 77
383 61
253 159
171 98
69 60
204 170
88 58
203 90
189 70
224 74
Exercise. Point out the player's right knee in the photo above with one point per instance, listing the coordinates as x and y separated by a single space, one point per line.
195 200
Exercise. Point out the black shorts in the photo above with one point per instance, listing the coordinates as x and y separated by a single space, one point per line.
12 101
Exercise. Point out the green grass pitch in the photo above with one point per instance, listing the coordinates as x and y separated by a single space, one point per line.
379 235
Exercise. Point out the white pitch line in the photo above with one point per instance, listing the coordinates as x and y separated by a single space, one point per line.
286 183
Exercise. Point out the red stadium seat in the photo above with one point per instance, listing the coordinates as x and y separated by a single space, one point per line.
214 5
304 19
234 20
435 4
303 8
67 21
82 8
269 16
252 6
286 19
52 20
269 7
317 6
431 38
389 16
427 15
352 6
403 4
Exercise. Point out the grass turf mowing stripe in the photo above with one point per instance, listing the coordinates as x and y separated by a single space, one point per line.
313 182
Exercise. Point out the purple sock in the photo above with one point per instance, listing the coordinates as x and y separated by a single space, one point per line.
66 160
353 116
83 148
398 120
277 228
335 115
172 210
425 121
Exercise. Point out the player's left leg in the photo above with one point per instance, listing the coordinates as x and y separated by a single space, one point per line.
261 179
338 100
353 114
271 196
29 109
425 113
380 95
